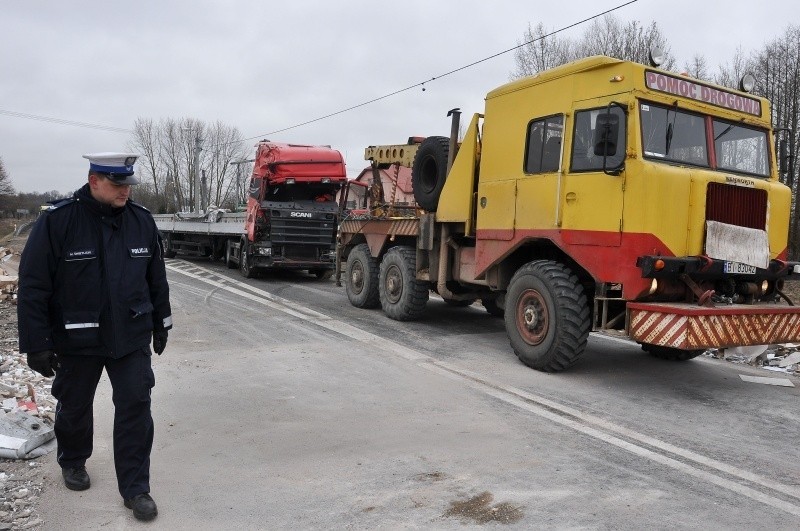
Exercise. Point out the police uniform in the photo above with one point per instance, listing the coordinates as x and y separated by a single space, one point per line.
93 289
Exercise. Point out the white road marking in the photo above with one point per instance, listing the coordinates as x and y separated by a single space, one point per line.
564 415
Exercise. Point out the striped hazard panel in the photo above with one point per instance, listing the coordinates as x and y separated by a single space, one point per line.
694 327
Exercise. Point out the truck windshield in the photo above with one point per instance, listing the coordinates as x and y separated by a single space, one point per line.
671 134
740 149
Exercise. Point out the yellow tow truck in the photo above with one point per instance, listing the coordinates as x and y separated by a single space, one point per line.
601 194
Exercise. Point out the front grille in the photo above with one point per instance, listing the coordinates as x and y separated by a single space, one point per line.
302 231
736 205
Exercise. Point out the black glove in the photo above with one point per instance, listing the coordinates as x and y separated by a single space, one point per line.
159 341
44 362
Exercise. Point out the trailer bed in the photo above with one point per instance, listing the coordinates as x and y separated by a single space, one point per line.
214 224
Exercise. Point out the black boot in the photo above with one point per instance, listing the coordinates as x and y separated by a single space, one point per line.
76 478
144 508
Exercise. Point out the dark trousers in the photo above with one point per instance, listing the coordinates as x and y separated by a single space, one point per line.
131 380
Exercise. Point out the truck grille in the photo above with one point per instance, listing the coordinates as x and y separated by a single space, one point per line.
736 205
302 231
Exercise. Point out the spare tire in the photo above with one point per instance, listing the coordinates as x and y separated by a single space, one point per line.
429 171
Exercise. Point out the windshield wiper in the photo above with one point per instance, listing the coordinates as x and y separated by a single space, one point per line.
723 133
669 138
670 127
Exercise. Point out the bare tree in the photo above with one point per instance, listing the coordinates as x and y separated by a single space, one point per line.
540 52
6 189
631 41
605 36
170 141
167 166
697 67
224 146
145 142
730 73
5 181
777 71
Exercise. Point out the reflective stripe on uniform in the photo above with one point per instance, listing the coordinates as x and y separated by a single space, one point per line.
81 325
167 321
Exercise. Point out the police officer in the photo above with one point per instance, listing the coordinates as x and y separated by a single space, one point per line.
92 293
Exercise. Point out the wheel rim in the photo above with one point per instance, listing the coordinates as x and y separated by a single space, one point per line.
357 277
533 319
393 284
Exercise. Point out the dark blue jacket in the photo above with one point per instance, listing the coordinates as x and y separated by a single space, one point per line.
92 280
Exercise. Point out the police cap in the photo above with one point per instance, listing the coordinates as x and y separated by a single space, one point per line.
117 167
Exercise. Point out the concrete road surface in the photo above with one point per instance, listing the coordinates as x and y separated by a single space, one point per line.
279 406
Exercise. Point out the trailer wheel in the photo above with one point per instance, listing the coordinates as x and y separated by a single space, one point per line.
169 252
403 297
547 317
361 278
229 255
492 308
245 262
429 171
669 353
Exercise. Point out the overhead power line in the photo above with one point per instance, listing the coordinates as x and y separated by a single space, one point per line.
65 122
435 78
112 129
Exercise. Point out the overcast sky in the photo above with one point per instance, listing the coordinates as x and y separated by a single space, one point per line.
261 66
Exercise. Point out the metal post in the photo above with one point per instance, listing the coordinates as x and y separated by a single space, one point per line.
454 127
205 193
197 190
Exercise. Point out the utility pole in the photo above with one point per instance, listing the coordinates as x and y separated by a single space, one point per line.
197 190
205 196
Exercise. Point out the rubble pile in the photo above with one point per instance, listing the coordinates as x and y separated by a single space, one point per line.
8 282
779 358
22 393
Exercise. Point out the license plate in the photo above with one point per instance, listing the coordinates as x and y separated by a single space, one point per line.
738 268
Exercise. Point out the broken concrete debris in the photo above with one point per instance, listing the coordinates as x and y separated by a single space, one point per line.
8 281
783 358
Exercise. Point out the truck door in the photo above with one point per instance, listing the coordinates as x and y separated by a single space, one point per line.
594 182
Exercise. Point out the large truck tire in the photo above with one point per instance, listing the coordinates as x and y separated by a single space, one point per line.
429 171
403 297
361 278
229 262
547 316
669 353
245 262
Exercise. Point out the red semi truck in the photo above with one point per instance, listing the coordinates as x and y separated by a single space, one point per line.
291 216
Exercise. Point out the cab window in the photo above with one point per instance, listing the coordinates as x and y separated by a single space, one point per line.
674 135
585 155
543 152
740 148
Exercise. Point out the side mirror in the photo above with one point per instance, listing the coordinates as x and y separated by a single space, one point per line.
606 132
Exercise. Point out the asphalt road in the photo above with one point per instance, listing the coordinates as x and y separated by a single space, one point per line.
280 406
